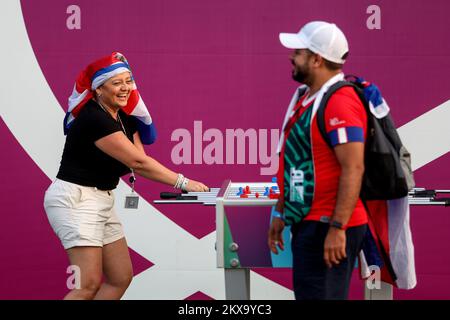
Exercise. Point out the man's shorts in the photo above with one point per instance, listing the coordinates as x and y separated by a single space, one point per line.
82 216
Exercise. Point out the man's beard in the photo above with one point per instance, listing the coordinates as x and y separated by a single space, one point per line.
301 74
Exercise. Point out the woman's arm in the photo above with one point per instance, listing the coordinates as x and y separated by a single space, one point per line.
138 143
118 146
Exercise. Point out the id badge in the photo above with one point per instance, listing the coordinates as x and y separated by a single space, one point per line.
131 201
296 186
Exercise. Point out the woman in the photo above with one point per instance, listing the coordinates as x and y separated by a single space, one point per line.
104 142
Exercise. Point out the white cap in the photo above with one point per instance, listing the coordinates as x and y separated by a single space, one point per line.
323 38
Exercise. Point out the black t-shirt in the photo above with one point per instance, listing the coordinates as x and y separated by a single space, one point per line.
85 164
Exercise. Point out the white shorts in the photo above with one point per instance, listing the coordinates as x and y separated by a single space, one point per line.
82 216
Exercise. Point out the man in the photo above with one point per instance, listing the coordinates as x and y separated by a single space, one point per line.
320 185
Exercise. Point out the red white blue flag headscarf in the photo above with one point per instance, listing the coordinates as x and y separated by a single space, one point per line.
96 74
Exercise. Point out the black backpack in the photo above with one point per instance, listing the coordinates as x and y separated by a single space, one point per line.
388 173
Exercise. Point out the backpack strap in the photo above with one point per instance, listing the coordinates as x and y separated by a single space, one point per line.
301 92
326 97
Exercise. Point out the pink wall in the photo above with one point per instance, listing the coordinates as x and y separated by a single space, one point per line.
220 62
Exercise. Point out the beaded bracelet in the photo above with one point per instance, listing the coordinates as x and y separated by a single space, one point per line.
179 181
184 184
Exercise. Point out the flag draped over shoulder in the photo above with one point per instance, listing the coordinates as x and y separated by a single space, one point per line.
92 77
388 243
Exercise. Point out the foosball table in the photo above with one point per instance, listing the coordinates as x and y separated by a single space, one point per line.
243 216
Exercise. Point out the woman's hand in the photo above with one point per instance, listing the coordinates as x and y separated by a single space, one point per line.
195 186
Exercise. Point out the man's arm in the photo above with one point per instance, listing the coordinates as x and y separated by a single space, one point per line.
350 157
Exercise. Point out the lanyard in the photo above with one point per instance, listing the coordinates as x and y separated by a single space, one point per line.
132 177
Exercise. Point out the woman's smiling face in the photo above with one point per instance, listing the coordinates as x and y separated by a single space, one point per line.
116 91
